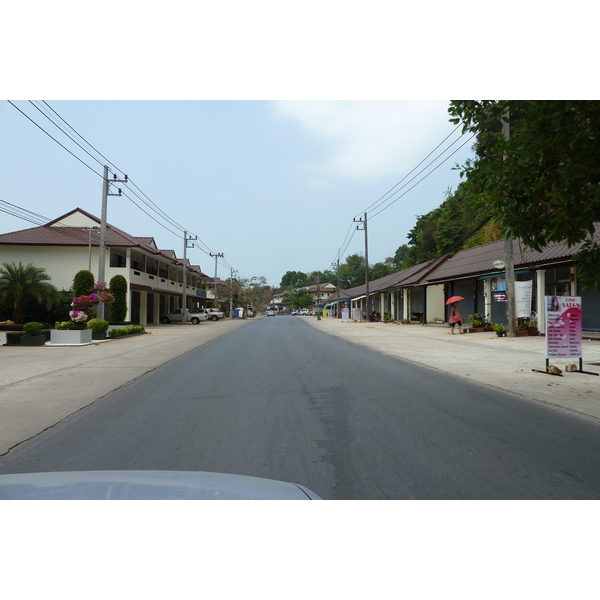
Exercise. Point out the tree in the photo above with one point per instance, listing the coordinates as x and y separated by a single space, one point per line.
253 290
83 283
118 287
299 298
352 272
541 184
19 282
292 280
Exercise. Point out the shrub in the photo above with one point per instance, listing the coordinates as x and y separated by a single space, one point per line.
127 331
69 325
97 325
13 338
33 328
83 283
118 287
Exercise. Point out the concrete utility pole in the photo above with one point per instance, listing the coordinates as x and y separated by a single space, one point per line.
509 260
231 296
186 239
102 248
366 264
217 256
337 267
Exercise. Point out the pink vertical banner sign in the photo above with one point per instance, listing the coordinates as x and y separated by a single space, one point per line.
563 327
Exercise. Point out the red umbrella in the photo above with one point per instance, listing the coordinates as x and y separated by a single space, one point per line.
454 299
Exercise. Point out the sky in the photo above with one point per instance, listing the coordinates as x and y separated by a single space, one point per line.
272 185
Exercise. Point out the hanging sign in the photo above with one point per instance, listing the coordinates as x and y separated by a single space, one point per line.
563 327
498 264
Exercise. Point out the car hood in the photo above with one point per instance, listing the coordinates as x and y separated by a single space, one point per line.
147 485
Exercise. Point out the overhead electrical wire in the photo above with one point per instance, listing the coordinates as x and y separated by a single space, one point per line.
386 198
147 201
423 178
413 169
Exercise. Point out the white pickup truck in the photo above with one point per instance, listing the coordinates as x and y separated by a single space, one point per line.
177 317
214 314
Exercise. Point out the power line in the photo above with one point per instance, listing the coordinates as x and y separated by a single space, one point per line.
64 147
147 202
422 179
414 168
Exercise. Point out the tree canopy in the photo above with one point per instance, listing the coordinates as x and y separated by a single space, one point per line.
541 184
19 282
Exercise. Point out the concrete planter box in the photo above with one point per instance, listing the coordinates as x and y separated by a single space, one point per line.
71 336
33 340
98 335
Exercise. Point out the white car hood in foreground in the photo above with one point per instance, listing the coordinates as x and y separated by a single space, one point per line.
146 485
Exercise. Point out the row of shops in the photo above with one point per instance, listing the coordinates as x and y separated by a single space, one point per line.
419 293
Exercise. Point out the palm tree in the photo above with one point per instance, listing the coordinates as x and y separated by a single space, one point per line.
18 282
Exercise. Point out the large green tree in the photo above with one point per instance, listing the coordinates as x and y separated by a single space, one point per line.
292 280
299 298
542 183
19 282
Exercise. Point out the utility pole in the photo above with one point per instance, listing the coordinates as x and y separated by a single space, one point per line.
186 240
509 260
217 256
231 292
337 270
364 223
102 248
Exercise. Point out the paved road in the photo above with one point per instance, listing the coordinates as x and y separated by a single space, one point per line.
282 400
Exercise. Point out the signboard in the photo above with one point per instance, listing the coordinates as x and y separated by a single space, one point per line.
345 314
523 291
563 327
498 264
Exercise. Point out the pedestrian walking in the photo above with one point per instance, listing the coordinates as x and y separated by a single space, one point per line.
455 318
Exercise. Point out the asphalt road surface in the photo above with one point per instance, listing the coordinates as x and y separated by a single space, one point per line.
280 399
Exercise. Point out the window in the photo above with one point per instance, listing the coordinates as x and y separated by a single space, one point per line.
118 258
137 261
151 266
163 270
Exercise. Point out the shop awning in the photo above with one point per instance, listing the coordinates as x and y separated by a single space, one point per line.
503 274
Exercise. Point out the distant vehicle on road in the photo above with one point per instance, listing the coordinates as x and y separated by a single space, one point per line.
270 312
177 317
214 314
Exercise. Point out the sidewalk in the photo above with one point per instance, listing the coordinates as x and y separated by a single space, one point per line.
505 363
41 386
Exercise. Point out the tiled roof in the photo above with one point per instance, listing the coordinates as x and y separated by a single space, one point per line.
479 260
54 234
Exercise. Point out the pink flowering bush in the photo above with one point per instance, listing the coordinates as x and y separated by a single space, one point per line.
84 305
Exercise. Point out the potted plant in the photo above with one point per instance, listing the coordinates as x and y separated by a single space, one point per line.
532 329
499 329
99 328
522 328
404 321
71 332
33 334
477 321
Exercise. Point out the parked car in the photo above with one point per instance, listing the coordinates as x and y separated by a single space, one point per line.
304 311
177 317
214 314
270 312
